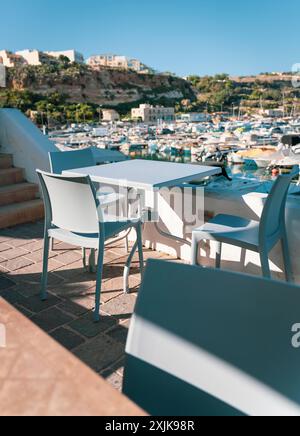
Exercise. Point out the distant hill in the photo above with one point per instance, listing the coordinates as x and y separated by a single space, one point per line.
67 91
222 92
80 84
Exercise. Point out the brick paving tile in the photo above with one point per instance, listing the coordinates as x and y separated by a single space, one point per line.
51 319
90 329
68 257
16 264
67 338
14 253
100 353
5 283
35 246
18 242
36 305
120 307
28 289
4 247
78 306
120 333
38 256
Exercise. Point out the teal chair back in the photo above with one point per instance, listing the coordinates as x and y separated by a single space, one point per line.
209 342
69 160
273 218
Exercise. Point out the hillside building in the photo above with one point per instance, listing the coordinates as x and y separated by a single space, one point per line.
153 114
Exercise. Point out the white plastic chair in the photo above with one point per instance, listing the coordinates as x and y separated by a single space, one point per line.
69 160
63 161
74 215
205 342
260 237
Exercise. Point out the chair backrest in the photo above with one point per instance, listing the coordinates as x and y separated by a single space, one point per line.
210 342
273 216
69 160
71 203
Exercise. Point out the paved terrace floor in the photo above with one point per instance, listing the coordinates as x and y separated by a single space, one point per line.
67 314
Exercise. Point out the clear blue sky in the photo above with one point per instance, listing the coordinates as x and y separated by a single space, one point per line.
183 36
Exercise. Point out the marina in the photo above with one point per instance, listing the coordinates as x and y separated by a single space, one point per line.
250 151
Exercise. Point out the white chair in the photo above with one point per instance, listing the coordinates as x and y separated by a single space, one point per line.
63 161
207 342
73 214
260 237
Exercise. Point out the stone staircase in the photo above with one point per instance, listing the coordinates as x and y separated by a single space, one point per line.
19 200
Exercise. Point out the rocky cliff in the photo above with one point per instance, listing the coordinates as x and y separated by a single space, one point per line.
82 84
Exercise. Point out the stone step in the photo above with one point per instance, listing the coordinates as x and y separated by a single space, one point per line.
6 161
11 176
18 193
21 213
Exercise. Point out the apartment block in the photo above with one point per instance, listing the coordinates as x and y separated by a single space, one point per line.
73 55
110 115
10 60
36 57
153 114
119 62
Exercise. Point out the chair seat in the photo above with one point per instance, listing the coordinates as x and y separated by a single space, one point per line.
232 230
92 240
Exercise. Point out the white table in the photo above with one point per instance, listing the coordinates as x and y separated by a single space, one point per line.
147 176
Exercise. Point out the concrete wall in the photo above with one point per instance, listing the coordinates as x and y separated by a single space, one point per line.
20 137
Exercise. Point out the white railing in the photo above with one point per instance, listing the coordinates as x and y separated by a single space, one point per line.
20 137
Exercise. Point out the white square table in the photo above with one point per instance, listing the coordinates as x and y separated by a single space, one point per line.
145 174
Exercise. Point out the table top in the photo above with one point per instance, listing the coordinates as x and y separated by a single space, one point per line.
145 173
38 377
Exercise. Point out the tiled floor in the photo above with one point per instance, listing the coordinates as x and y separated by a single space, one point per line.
67 314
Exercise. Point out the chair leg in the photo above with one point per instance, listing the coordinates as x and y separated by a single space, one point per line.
92 260
125 215
287 259
45 269
84 258
139 235
99 282
218 254
265 265
126 245
52 244
194 250
127 268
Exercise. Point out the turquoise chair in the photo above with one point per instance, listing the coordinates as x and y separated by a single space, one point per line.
69 160
75 216
260 237
206 342
63 161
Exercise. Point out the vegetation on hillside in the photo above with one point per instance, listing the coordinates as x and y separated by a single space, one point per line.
222 93
68 92
64 92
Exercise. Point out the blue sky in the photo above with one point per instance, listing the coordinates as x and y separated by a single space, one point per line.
183 36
